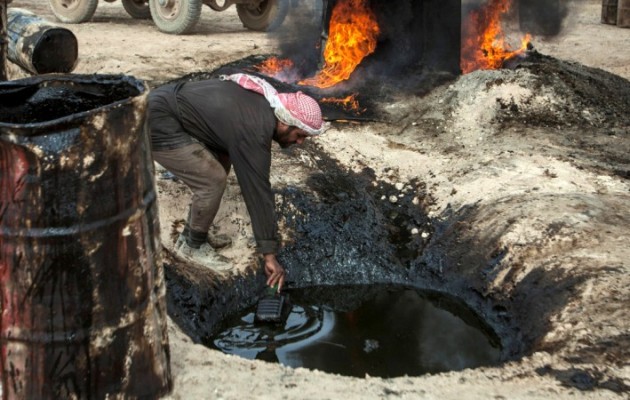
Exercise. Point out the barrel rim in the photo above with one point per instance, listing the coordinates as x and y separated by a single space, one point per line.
135 83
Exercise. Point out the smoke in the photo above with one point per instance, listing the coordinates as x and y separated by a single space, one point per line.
299 37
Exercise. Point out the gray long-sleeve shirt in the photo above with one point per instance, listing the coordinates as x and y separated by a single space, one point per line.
240 123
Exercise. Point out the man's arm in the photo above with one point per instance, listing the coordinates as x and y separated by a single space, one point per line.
252 161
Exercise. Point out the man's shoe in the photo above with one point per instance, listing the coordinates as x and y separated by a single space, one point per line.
219 240
204 256
181 239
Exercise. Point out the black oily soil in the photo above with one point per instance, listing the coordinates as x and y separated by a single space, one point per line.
585 88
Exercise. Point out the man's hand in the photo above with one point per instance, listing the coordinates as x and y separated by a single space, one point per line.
274 271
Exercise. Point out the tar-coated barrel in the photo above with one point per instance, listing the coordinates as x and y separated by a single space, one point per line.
623 14
540 17
609 12
39 46
82 289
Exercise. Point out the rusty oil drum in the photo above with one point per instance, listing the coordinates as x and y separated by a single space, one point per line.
82 291
609 12
540 17
623 14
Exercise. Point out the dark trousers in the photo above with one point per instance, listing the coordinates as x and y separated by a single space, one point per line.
204 174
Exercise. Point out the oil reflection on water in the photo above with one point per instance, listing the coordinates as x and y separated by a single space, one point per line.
391 333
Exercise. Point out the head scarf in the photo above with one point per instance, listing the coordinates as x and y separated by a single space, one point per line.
293 109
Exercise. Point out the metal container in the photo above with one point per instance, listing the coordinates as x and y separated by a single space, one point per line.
609 12
82 290
39 46
623 14
272 309
540 17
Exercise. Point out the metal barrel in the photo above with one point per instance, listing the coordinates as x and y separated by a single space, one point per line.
39 46
609 12
82 290
540 17
623 14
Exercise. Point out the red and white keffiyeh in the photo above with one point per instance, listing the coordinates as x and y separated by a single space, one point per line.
293 109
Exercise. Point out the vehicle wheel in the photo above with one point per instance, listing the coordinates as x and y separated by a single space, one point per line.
175 16
138 9
73 11
266 16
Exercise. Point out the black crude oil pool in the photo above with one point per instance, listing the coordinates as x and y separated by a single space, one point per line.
378 330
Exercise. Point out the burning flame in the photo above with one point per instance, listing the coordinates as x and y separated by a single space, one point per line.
348 103
485 46
352 35
283 70
278 68
274 65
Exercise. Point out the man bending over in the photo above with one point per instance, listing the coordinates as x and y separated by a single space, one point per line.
200 129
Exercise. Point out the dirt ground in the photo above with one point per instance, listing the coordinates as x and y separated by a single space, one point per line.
544 206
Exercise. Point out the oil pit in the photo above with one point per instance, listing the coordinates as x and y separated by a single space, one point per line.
377 330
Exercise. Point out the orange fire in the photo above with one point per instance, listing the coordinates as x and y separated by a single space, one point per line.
274 65
278 68
348 103
352 36
484 42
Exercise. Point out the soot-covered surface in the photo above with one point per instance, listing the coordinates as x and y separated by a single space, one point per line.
589 90
341 231
340 228
347 228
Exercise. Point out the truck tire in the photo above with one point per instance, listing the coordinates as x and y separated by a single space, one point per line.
73 11
138 9
268 15
175 16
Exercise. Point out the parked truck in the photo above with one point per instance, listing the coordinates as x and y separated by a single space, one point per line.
179 16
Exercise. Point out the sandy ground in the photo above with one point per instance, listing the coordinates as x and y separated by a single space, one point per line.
506 167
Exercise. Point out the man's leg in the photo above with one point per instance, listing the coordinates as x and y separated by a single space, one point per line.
198 169
206 177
